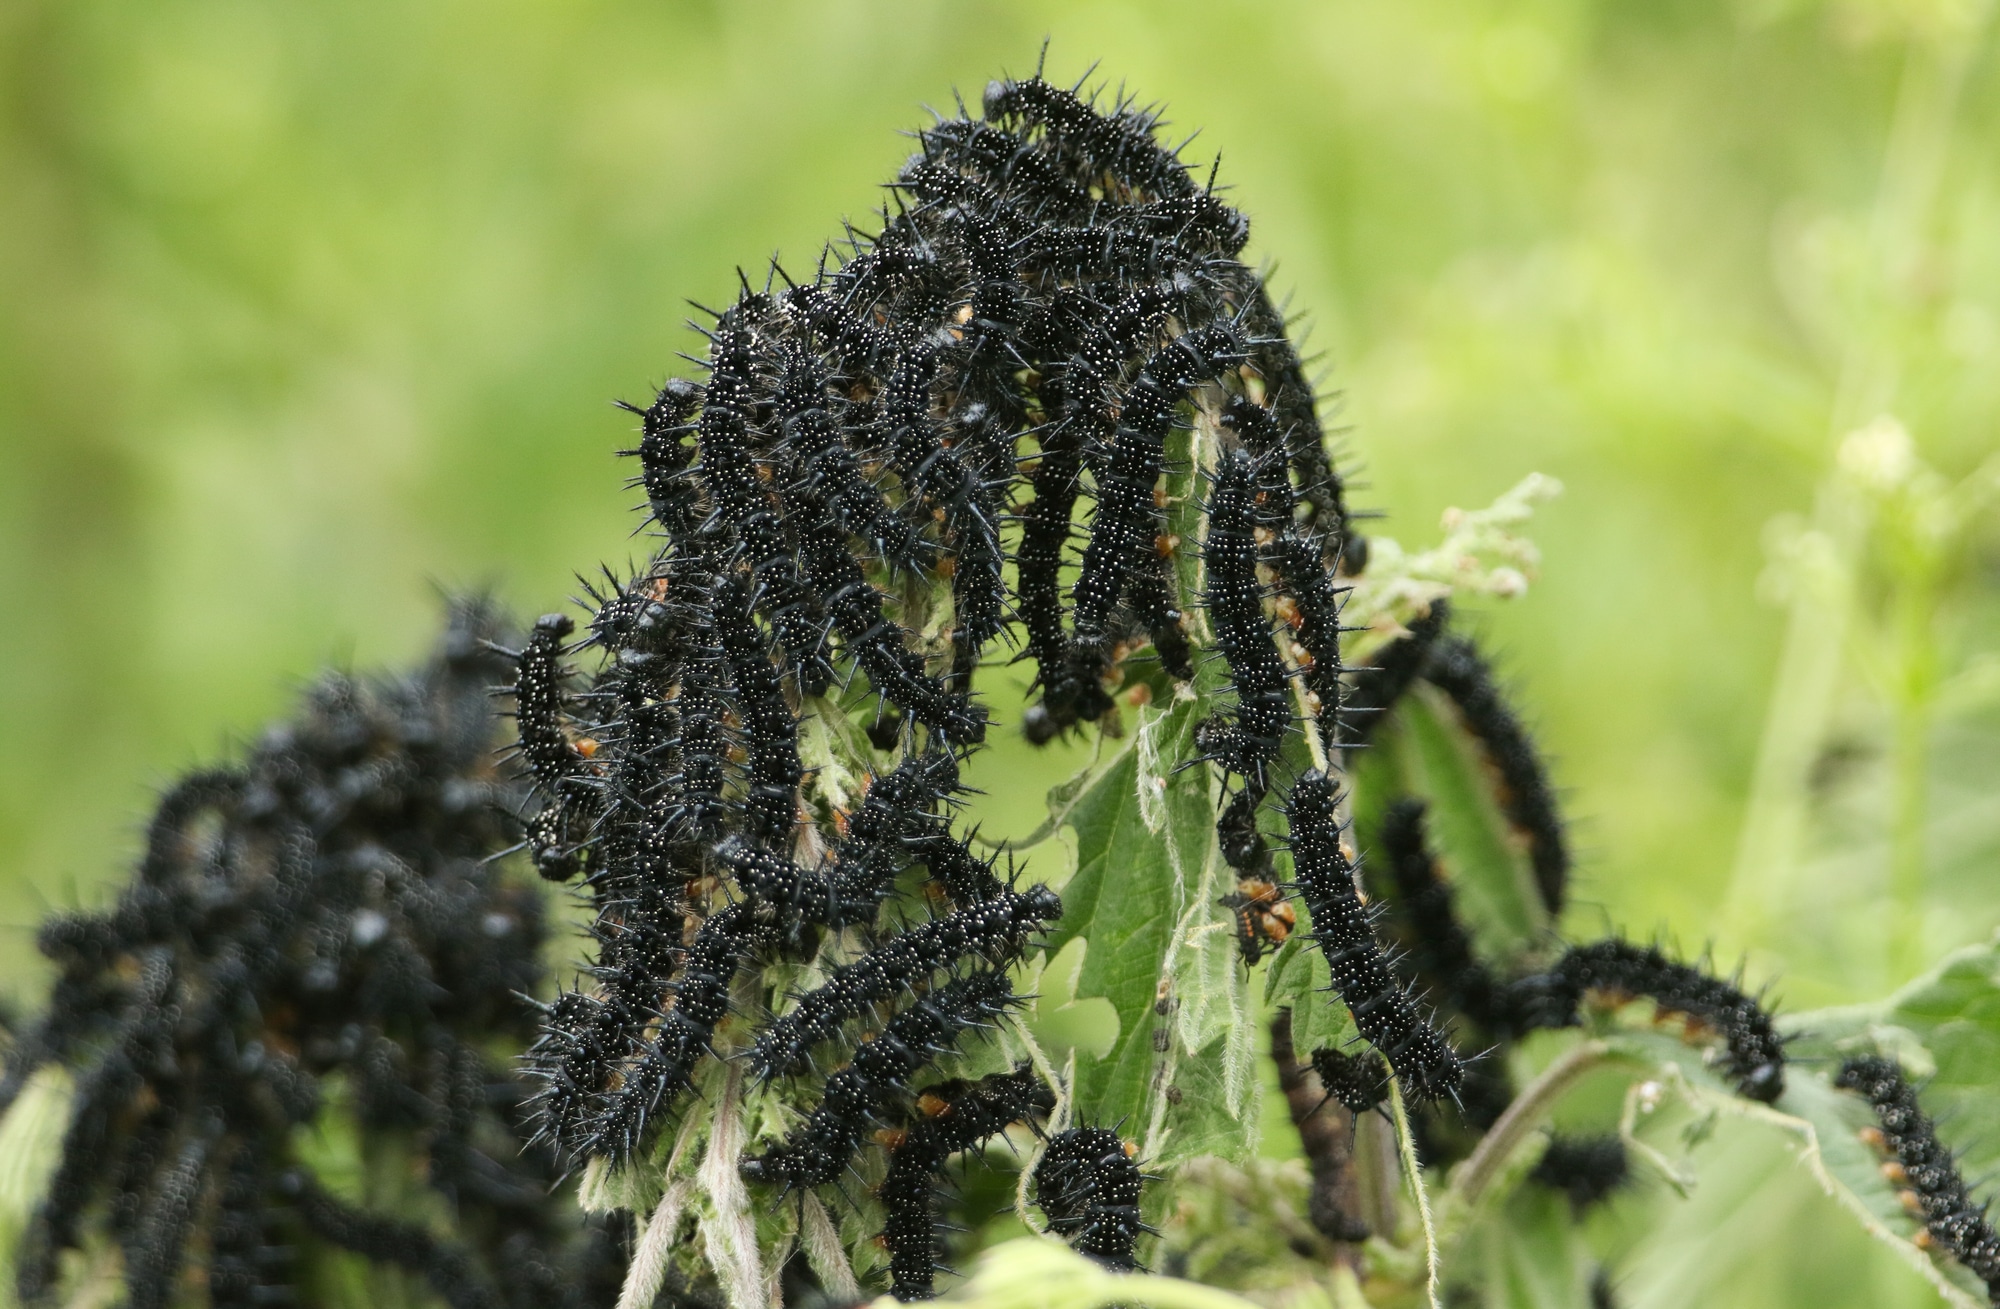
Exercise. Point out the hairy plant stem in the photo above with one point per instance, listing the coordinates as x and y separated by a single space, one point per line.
1471 1178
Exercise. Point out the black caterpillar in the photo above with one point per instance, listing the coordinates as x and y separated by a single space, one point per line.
1456 667
1310 605
1382 683
949 1118
1360 1082
1387 1017
995 930
321 915
1753 1052
1088 1185
771 731
857 441
1925 1168
819 1149
1440 949
1122 559
1587 1169
1249 743
1440 953
1052 298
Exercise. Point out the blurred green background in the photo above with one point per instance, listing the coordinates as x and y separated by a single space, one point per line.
307 309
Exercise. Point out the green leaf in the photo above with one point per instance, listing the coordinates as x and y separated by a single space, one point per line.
1823 1122
1160 952
1426 752
1827 1123
1298 979
1945 1027
1528 1254
1206 1103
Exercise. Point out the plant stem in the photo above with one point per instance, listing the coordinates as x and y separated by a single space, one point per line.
1529 1108
1406 1149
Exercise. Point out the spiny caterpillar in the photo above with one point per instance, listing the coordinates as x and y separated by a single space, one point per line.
1249 742
1360 1082
995 930
1382 683
1456 667
1121 559
1088 1185
1440 950
1053 315
315 941
1310 604
1440 947
948 1118
821 1147
1933 1188
849 458
560 770
1753 1053
1587 1169
1387 1017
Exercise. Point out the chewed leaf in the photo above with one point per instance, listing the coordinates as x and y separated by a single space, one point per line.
1203 1105
1119 901
1139 868
1059 1021
1826 1124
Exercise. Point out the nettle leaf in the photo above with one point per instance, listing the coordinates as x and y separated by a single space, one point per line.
1158 948
1825 1123
1297 978
1528 1254
1424 751
1944 1028
1120 901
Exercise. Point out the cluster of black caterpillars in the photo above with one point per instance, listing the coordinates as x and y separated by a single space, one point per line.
315 937
957 435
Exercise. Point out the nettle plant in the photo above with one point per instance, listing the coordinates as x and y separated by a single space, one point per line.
1276 998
